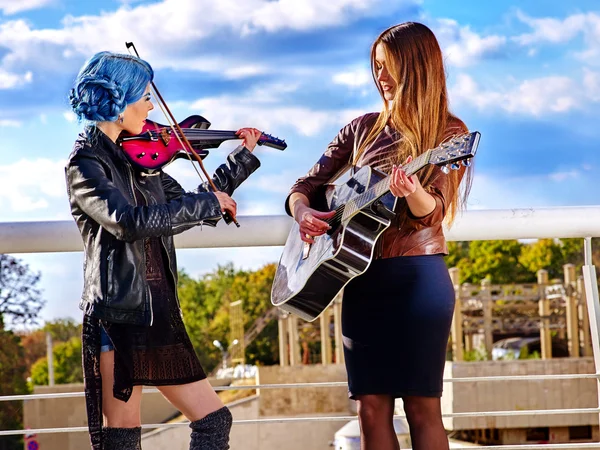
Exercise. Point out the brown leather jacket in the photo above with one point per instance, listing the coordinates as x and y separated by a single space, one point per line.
408 235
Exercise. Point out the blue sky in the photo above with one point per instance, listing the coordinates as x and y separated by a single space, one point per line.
525 74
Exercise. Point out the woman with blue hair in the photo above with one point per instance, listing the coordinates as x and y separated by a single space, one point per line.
133 332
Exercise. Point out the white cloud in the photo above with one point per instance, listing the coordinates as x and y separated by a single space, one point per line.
534 97
10 123
230 112
70 116
463 47
309 14
278 182
353 78
9 80
553 30
175 21
559 31
30 184
14 6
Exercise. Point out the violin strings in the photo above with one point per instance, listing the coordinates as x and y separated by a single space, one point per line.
172 126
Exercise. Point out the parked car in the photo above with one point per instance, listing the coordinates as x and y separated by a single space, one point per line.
512 348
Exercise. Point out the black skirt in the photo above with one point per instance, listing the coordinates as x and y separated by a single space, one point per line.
396 320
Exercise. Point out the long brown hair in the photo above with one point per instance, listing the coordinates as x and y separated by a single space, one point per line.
419 111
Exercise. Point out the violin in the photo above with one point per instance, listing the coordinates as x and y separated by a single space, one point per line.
157 145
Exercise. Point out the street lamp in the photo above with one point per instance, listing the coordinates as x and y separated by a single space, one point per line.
217 344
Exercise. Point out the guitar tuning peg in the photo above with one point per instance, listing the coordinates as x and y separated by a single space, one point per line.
446 169
455 166
467 162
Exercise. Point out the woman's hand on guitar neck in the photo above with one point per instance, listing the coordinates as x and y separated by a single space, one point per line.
311 221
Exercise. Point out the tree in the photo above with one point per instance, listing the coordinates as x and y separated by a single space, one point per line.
544 254
498 260
34 342
205 305
12 382
67 364
20 299
62 330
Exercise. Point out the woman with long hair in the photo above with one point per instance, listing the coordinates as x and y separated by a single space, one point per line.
133 332
396 317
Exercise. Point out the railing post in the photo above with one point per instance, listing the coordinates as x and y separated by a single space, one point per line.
586 339
325 320
284 354
457 319
544 308
486 299
295 357
572 316
337 326
591 294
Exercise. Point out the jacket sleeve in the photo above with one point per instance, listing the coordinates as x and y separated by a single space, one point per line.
240 164
439 188
98 197
336 157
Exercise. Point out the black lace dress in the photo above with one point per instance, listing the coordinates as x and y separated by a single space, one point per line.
158 355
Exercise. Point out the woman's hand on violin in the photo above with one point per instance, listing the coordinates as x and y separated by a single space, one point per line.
401 185
250 137
312 222
226 202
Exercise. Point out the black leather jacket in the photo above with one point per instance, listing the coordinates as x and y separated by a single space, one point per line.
100 183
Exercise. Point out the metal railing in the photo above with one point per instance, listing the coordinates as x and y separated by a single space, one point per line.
568 222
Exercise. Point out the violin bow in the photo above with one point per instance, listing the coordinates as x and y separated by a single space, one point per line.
182 138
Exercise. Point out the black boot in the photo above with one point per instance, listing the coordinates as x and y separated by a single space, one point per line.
122 438
212 432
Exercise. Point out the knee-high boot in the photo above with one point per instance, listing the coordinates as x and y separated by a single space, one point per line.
212 431
122 438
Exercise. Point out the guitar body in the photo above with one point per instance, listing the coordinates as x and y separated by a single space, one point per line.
309 277
155 146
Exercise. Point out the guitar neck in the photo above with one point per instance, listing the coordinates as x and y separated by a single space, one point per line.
381 188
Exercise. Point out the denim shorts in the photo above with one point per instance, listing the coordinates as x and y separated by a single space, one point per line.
105 342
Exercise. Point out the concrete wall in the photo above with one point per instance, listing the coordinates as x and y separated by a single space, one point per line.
558 435
520 395
296 401
70 412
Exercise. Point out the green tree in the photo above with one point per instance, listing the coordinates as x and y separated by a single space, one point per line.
498 260
62 330
205 304
12 382
544 254
67 364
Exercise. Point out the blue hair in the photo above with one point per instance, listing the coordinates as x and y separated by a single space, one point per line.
106 84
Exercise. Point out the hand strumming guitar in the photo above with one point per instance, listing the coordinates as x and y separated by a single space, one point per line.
311 221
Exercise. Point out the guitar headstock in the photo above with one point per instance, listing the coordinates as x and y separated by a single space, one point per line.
459 149
271 141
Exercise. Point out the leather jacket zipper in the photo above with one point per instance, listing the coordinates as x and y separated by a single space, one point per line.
143 253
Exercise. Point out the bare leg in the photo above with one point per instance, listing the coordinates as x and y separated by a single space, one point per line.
122 420
424 415
194 400
376 417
